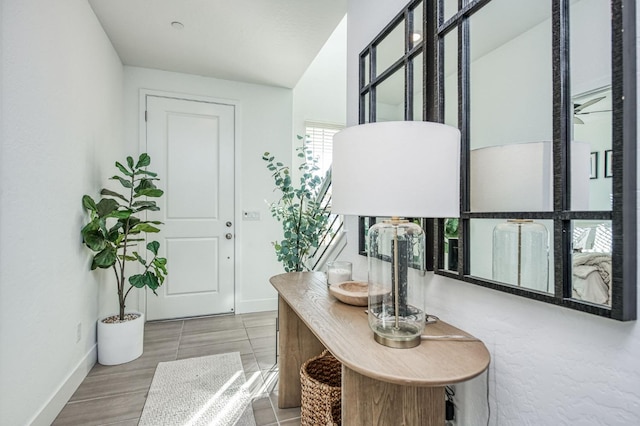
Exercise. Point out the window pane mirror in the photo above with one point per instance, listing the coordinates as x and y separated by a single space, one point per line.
544 94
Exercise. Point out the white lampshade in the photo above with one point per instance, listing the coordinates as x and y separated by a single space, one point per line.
397 168
519 177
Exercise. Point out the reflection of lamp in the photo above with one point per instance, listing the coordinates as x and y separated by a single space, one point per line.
397 169
519 178
521 250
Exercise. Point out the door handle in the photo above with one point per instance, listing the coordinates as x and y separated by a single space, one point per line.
228 236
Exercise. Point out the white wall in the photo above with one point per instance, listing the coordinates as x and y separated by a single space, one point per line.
61 130
264 116
550 365
321 92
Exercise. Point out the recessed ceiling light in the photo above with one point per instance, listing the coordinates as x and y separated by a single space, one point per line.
177 25
416 36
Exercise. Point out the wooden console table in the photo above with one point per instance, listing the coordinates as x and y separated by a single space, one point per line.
380 385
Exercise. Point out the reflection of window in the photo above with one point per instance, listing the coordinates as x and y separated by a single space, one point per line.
320 142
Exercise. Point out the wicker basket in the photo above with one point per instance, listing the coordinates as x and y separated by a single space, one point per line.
320 378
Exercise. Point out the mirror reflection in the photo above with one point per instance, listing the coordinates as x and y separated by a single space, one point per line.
417 32
418 88
592 125
390 100
511 107
517 252
591 261
390 49
450 8
590 66
451 79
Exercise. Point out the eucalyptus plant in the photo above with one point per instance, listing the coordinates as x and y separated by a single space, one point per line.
304 221
116 226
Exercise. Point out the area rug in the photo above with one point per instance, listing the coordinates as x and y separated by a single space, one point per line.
208 390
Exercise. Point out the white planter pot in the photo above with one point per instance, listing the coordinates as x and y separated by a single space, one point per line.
120 342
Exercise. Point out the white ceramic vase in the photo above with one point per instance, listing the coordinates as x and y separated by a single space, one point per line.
120 342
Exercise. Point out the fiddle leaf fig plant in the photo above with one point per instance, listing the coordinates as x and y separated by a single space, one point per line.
116 227
451 228
304 221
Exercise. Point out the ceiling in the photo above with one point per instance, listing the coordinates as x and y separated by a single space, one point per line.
269 42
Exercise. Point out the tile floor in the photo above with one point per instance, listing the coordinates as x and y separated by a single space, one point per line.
115 395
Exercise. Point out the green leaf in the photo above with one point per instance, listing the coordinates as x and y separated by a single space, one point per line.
152 208
123 169
147 279
145 205
160 262
106 206
152 280
123 181
120 214
153 247
130 162
113 194
144 172
88 203
150 193
114 232
148 189
137 281
143 227
94 240
143 161
105 258
139 258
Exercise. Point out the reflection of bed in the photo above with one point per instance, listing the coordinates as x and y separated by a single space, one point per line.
592 262
592 277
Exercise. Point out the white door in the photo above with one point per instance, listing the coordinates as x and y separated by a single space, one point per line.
191 145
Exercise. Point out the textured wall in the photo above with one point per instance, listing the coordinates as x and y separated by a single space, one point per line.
550 365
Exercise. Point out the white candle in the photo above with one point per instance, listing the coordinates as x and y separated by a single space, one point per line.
338 276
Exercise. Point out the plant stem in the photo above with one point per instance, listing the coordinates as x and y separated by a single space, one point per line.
299 225
121 294
120 298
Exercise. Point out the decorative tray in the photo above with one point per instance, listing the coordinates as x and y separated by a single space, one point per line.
351 292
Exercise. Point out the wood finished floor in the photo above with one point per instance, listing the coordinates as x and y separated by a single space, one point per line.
115 395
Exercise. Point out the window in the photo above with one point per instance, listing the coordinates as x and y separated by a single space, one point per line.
319 139
320 142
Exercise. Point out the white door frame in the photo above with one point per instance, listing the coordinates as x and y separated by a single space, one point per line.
142 146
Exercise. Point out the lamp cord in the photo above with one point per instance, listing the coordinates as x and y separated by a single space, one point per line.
488 403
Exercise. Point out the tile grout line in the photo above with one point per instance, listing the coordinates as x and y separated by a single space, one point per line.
105 397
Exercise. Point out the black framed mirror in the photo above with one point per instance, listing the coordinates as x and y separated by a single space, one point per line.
534 100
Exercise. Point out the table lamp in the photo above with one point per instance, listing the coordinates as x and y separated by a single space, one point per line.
518 177
397 169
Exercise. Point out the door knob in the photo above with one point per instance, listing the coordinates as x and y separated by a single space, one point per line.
228 236
229 224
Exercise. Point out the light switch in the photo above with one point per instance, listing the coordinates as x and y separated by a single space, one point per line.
250 215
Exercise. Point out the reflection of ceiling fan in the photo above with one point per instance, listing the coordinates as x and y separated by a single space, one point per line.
578 109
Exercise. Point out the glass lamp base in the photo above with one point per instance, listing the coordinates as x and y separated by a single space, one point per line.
402 337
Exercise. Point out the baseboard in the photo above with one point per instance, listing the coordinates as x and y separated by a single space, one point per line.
260 305
51 409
